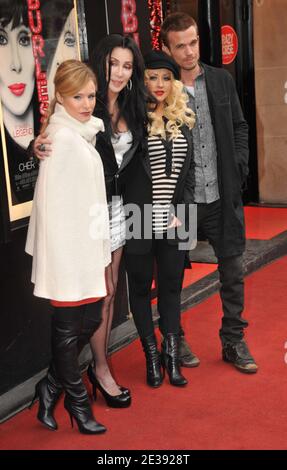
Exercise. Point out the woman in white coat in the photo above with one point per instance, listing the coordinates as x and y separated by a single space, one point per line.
68 238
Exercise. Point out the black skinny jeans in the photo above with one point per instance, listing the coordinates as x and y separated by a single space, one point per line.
170 264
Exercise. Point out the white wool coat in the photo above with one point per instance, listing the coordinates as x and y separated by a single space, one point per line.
68 234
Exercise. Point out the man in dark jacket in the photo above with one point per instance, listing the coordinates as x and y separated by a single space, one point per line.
220 139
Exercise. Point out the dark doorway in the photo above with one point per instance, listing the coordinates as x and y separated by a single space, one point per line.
239 14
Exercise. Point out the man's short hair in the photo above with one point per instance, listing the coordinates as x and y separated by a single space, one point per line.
178 21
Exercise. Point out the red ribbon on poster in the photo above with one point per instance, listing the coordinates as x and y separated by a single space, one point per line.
35 24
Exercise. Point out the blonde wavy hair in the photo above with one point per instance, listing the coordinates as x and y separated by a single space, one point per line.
71 76
176 112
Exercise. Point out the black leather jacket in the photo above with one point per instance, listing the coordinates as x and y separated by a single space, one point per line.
113 174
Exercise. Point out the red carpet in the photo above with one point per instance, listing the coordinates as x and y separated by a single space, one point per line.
263 223
219 409
198 271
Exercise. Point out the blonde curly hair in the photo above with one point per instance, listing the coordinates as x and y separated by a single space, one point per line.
176 112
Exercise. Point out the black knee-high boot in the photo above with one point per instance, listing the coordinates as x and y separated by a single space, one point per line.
48 390
154 374
170 359
67 329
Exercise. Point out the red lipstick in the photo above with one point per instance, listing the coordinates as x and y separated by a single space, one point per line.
17 88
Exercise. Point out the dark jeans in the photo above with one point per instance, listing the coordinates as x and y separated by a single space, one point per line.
140 268
230 273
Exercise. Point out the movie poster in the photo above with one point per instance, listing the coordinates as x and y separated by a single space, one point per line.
35 37
130 17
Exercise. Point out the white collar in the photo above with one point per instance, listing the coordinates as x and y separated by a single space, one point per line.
88 130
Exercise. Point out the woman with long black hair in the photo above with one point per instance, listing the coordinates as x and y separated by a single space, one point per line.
121 104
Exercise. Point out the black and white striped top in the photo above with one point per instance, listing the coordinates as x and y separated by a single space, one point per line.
163 186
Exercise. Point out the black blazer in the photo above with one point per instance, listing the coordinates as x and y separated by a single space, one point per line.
113 173
137 189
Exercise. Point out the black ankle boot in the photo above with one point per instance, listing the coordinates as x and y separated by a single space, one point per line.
80 409
48 394
170 359
154 375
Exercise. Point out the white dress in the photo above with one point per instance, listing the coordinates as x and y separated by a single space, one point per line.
121 143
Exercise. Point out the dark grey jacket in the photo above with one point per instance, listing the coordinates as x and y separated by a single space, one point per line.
231 135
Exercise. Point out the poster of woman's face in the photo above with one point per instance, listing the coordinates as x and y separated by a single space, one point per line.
35 37
59 18
17 71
